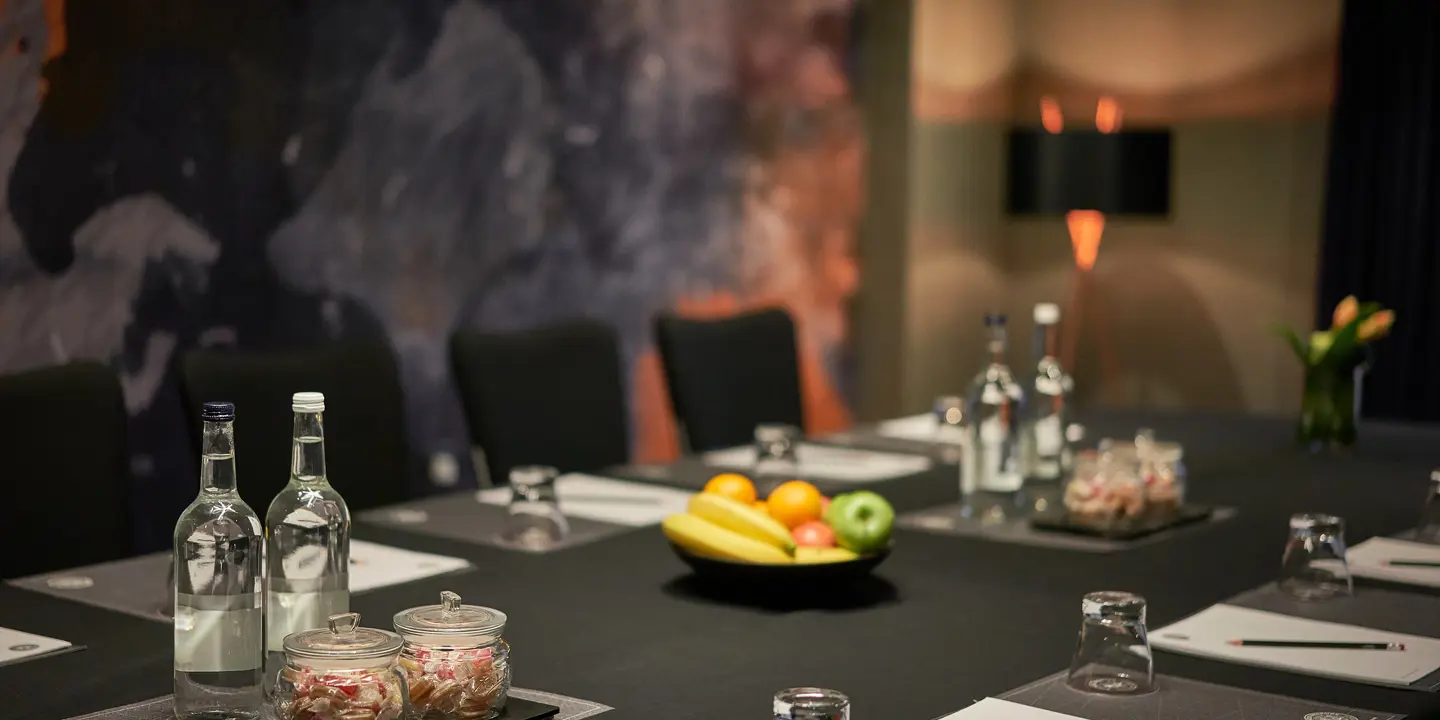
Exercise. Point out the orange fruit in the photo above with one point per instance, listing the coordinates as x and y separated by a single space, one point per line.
762 506
795 503
732 485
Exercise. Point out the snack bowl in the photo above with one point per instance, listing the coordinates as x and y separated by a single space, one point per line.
770 576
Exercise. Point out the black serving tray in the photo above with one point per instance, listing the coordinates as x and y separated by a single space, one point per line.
1062 521
517 709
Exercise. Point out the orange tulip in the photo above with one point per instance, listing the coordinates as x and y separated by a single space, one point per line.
1376 326
1345 312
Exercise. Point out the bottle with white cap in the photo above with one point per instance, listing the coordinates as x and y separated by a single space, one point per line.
1043 432
308 540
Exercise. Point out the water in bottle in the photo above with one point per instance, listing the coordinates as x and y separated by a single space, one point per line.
219 593
308 531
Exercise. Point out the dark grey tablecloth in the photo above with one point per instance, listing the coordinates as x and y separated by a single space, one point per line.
946 620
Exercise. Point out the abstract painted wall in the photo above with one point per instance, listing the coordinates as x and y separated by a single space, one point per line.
276 174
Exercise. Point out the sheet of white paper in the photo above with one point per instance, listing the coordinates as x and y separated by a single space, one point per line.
16 645
1368 559
996 709
1208 632
374 566
607 500
922 428
832 463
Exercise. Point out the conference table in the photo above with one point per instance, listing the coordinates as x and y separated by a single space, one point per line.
947 620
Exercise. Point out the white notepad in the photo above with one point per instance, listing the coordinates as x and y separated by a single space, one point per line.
923 428
826 462
16 646
996 709
373 565
606 500
1208 632
1368 560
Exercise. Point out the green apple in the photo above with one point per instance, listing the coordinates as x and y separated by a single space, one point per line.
861 520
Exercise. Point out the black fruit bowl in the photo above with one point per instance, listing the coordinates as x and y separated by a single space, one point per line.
757 575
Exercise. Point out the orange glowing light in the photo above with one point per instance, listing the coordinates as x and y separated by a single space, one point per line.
1107 115
1086 227
1050 116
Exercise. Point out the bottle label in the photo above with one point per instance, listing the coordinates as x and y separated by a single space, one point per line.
1049 439
999 470
289 612
218 640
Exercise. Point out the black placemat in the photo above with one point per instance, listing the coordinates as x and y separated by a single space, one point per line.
1016 528
521 705
1179 699
1067 522
459 516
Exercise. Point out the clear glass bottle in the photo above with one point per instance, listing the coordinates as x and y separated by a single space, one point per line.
993 407
308 539
219 594
1043 438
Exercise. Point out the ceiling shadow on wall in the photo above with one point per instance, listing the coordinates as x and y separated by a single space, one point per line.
1165 349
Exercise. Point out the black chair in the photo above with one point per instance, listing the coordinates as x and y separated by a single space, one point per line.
367 455
550 396
65 493
727 376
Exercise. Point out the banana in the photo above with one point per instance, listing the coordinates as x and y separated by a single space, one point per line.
705 538
741 518
814 555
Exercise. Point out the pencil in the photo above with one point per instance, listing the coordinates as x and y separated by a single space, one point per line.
1319 644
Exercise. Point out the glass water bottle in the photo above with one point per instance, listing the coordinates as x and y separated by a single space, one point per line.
308 532
1042 436
993 406
219 569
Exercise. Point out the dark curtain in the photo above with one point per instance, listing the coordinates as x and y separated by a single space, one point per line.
1382 196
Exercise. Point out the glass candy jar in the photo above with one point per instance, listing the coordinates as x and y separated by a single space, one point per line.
455 661
1106 490
343 672
1163 467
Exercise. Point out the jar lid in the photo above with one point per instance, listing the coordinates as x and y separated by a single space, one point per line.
343 640
451 619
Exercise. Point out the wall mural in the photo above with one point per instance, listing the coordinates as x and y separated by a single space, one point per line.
275 174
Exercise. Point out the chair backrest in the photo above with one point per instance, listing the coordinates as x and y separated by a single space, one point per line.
65 485
727 376
550 396
367 455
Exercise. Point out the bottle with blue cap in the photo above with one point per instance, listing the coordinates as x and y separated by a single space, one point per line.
308 540
993 405
219 593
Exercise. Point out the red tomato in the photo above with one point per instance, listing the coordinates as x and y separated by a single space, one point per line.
813 534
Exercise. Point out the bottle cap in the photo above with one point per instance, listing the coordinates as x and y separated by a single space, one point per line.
1047 313
308 402
217 412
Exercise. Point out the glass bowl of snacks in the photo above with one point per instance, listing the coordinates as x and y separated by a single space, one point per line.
343 672
1106 490
455 661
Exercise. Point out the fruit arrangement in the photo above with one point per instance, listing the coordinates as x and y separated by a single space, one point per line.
796 524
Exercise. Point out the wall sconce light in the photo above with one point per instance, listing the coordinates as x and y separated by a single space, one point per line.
1086 175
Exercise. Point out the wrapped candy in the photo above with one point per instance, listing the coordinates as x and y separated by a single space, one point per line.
342 673
455 662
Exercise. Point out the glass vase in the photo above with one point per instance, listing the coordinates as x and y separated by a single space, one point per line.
1327 409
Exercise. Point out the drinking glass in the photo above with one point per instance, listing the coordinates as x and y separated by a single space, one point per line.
1112 656
1428 530
808 703
777 458
535 521
1313 567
